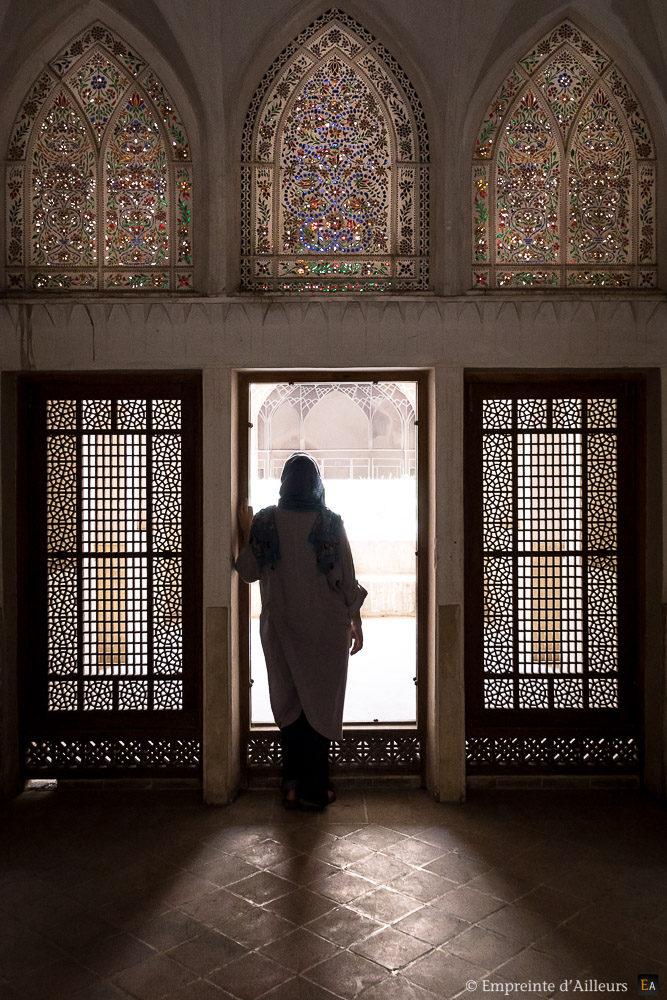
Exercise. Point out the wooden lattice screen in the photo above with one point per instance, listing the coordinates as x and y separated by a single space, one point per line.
109 576
551 595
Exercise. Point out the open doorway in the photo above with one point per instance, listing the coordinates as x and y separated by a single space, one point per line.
363 432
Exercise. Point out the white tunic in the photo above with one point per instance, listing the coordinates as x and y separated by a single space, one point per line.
305 625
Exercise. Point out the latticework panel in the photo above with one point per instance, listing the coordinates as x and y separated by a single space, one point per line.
335 169
552 754
113 757
549 468
99 179
383 752
114 511
109 566
564 173
550 562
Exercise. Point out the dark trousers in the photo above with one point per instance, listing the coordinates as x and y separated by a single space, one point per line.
305 761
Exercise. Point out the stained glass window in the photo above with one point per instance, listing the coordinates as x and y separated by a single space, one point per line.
335 169
99 178
564 173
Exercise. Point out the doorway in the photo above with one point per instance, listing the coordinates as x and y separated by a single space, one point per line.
364 432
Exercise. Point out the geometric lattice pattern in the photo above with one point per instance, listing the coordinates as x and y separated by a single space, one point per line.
114 555
365 752
335 169
549 529
105 756
495 754
564 175
99 179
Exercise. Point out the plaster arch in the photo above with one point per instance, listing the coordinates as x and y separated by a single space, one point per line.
281 428
387 427
336 421
491 79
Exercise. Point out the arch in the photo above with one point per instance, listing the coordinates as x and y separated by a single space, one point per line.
386 425
564 174
99 176
335 169
285 428
336 421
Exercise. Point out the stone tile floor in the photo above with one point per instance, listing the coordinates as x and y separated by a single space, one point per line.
387 896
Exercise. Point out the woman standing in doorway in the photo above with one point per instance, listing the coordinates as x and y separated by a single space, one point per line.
310 622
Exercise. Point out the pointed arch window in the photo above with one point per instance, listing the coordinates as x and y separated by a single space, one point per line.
99 176
564 175
335 169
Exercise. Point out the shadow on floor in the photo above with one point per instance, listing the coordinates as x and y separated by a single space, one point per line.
386 896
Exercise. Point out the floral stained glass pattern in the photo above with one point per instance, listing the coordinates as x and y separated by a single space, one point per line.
563 181
495 114
565 82
527 187
98 85
481 213
99 190
63 189
600 184
136 189
335 175
184 183
172 122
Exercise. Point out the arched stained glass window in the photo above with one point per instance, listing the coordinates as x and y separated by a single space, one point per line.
99 178
564 175
335 169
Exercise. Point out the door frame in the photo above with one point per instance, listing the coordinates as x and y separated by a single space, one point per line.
371 749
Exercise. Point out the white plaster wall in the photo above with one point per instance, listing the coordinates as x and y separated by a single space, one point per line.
487 330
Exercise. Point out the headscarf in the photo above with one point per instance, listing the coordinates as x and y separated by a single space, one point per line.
301 489
301 484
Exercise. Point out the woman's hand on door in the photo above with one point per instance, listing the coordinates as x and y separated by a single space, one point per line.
245 516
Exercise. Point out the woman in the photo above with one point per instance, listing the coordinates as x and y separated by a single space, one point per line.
309 624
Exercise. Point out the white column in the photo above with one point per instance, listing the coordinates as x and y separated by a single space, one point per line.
221 748
446 729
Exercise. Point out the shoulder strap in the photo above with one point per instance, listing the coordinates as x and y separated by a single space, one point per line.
264 538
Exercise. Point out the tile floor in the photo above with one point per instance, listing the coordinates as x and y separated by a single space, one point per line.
387 896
